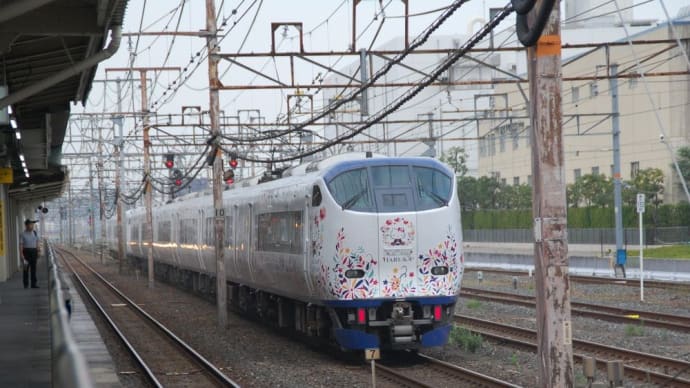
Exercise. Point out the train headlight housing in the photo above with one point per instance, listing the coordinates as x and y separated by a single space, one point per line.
440 270
354 273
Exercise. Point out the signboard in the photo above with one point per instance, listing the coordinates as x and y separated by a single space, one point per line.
640 203
372 354
6 175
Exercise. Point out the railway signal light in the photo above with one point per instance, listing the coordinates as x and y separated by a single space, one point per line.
229 177
233 160
177 177
169 160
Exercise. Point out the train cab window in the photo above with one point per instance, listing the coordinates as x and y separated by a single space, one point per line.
316 196
433 188
391 176
351 190
392 188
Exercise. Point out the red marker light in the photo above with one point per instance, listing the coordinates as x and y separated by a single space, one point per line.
437 313
229 181
169 160
178 182
361 316
233 163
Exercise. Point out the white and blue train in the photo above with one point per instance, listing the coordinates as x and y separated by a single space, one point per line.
363 250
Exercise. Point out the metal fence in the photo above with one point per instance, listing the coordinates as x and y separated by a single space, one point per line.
68 364
651 236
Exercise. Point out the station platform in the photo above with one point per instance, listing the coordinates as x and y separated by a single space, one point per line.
26 359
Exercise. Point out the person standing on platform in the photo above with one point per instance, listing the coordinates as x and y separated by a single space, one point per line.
28 248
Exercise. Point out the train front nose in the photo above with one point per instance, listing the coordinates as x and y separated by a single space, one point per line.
398 255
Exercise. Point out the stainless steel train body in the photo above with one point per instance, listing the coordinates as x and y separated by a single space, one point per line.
365 250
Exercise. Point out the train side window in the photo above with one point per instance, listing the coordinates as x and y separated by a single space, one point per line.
188 228
316 196
280 232
210 231
164 231
229 233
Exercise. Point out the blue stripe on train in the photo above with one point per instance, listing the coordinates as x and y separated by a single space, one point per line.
436 337
433 300
356 339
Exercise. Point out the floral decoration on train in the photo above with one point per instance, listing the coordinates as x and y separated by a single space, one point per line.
443 254
398 231
317 234
400 284
333 277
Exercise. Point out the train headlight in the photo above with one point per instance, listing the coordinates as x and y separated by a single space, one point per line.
440 270
354 273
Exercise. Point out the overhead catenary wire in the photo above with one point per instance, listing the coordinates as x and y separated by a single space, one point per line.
405 97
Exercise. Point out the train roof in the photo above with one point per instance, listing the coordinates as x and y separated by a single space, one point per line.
327 168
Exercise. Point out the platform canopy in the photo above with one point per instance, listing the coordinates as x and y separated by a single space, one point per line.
48 50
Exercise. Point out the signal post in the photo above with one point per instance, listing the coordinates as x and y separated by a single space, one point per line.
148 194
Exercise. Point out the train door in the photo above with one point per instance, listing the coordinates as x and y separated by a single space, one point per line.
230 242
175 237
198 241
309 214
242 241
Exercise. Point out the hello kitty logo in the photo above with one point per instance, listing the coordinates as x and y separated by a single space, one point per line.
398 232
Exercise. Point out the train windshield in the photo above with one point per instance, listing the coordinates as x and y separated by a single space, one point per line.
391 188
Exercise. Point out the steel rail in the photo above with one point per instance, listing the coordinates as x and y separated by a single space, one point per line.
590 310
676 285
466 376
193 354
673 368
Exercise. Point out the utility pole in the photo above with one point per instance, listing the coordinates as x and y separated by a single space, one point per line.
101 191
554 327
92 212
120 147
70 234
148 192
615 127
214 108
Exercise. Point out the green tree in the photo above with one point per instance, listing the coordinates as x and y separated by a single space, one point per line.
683 158
514 197
596 190
573 193
650 181
488 190
456 158
467 192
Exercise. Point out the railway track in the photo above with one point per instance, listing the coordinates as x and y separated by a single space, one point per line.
164 358
417 376
608 313
668 285
643 367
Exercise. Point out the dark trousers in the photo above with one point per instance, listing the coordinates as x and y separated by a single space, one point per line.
30 255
